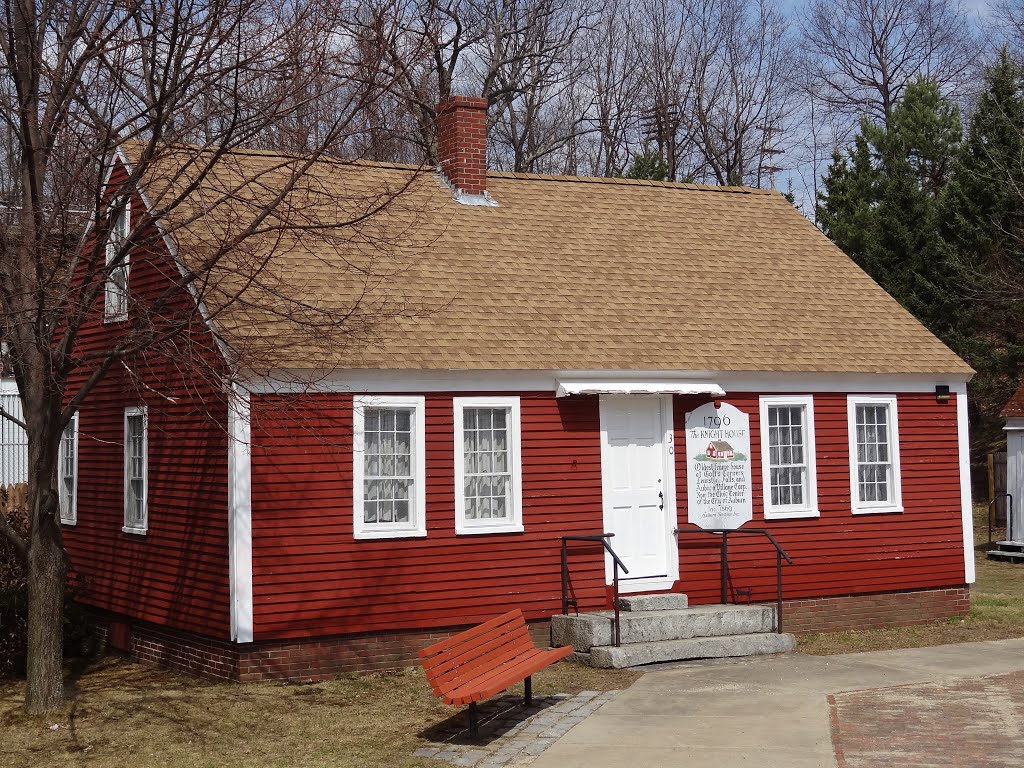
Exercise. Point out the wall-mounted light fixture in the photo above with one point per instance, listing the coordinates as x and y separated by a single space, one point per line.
942 393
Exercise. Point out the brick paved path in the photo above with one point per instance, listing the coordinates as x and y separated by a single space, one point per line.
977 722
511 735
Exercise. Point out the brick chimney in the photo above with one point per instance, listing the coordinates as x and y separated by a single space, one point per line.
462 143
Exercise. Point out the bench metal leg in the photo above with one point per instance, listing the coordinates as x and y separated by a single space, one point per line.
528 685
474 726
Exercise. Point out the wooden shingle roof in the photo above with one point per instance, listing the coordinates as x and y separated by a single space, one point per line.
564 273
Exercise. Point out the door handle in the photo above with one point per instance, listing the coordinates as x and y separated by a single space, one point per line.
661 500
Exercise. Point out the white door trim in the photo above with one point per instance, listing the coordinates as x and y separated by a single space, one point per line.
629 586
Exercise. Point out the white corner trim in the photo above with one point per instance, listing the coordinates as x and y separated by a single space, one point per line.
966 507
240 514
1014 423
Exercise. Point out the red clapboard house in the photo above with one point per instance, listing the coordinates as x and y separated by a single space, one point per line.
343 509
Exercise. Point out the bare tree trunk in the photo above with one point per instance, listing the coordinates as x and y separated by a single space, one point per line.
46 571
46 562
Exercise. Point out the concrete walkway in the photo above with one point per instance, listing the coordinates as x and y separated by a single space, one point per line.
915 707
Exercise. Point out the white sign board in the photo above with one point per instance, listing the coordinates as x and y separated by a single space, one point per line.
718 489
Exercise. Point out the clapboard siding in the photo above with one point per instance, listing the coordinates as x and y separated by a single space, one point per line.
311 577
177 574
840 553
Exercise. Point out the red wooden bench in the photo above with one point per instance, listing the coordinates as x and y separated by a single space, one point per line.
485 660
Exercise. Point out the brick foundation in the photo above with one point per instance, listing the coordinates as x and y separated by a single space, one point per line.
327 657
315 659
889 609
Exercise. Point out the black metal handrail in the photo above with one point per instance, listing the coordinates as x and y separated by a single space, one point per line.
780 554
601 538
1009 515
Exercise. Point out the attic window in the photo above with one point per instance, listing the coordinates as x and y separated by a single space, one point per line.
115 301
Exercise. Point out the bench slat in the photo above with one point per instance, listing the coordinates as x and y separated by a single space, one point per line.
500 679
464 653
469 634
467 655
495 657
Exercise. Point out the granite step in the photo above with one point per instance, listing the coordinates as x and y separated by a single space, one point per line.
669 602
587 630
637 654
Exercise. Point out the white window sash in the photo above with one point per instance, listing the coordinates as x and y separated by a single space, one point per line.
69 508
131 525
894 503
416 526
513 522
809 507
115 296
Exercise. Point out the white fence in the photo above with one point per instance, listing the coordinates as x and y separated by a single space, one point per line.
13 440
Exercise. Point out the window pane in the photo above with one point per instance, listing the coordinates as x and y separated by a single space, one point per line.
487 478
874 468
388 465
787 455
403 421
67 470
402 511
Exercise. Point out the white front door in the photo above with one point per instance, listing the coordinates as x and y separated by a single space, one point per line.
639 489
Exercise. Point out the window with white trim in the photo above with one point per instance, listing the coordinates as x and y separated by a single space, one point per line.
115 294
67 460
136 468
389 467
488 472
874 454
788 467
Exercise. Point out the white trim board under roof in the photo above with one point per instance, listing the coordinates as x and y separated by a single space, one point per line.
398 381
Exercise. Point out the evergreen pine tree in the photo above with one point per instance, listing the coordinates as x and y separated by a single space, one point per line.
983 226
648 164
880 204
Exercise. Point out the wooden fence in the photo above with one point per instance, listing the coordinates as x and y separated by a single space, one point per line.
13 443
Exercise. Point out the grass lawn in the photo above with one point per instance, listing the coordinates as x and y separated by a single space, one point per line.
125 714
997 612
